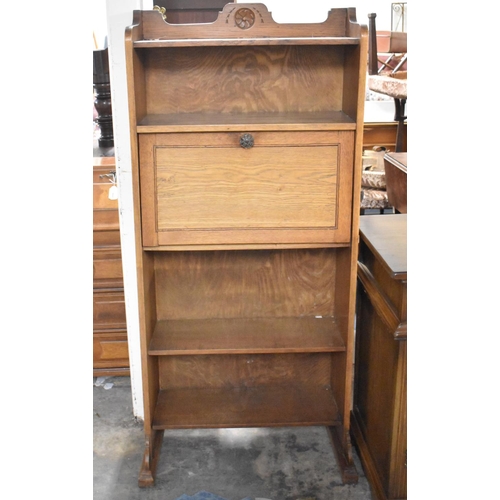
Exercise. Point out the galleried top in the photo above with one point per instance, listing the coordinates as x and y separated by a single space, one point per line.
246 23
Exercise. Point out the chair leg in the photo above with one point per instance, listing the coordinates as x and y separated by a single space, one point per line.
400 118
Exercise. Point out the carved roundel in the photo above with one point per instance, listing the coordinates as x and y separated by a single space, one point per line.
244 18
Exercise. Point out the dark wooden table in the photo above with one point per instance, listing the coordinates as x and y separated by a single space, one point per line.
378 420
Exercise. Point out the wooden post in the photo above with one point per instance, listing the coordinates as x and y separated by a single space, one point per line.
102 102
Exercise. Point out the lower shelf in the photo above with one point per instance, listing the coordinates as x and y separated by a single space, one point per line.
262 406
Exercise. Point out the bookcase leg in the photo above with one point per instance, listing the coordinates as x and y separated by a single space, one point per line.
150 458
343 453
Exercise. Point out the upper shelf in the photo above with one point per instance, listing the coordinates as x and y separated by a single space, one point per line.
206 42
245 23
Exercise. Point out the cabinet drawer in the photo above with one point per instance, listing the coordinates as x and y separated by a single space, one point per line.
105 220
110 349
206 188
108 267
109 309
106 238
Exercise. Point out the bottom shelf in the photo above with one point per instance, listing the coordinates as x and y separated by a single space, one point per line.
262 406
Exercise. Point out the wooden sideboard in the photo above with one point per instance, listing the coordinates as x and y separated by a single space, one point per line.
110 328
379 410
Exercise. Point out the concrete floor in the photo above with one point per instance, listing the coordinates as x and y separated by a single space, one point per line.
225 464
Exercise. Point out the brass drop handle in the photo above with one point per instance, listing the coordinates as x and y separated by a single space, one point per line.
246 141
111 176
113 190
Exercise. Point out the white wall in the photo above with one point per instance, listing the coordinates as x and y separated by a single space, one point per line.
99 22
119 16
112 17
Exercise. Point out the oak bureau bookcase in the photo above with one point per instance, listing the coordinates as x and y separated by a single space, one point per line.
246 157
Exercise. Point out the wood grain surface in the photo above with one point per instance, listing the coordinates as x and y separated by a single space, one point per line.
240 336
245 284
241 80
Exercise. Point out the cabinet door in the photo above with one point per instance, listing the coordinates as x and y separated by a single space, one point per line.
283 187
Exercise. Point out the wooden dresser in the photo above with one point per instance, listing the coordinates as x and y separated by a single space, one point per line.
110 329
379 410
246 158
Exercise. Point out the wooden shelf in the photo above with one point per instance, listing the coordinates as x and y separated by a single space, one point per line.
245 246
339 28
210 122
263 406
241 336
211 42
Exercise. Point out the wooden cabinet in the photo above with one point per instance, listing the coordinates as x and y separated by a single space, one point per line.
380 129
247 144
379 411
110 328
383 135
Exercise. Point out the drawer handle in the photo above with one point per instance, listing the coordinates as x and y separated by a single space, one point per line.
246 141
